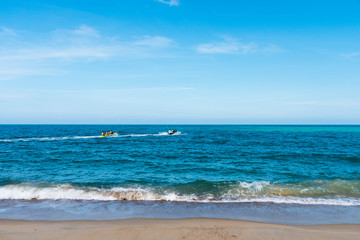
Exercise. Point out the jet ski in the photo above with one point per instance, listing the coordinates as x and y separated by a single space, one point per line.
108 134
172 131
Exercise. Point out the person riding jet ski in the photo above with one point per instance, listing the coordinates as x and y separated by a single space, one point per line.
172 131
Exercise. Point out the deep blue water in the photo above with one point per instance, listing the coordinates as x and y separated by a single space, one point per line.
308 165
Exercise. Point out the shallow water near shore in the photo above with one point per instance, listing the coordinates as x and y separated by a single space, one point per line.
263 173
295 214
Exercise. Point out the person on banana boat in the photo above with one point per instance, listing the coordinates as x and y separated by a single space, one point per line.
108 133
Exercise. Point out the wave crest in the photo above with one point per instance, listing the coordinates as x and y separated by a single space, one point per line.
264 192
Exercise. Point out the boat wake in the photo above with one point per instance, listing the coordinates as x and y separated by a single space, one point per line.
82 137
46 138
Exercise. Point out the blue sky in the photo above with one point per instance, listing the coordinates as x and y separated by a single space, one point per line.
170 61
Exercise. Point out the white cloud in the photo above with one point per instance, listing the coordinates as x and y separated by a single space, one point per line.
83 42
149 89
44 53
154 41
170 2
7 31
9 70
12 96
353 54
228 46
113 91
217 47
233 46
47 53
272 49
327 103
85 30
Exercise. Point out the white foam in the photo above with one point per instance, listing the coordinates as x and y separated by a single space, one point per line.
81 137
46 138
68 192
147 135
167 134
298 200
163 134
63 191
135 135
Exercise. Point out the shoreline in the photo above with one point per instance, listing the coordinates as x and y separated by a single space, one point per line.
191 228
68 210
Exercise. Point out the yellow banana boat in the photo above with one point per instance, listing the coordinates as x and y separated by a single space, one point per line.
107 135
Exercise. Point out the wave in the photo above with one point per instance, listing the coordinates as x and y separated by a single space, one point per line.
80 137
240 192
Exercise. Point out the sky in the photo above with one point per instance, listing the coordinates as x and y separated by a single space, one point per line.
180 62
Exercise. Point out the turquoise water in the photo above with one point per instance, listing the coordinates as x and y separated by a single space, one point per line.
207 164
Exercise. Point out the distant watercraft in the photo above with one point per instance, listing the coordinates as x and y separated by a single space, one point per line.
108 134
172 131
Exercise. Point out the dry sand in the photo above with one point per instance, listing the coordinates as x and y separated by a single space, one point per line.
170 229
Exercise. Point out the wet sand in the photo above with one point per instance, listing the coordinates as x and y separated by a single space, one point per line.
171 229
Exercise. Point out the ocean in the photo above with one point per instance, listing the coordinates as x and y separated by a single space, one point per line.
296 174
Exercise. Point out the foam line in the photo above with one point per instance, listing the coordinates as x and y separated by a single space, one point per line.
69 192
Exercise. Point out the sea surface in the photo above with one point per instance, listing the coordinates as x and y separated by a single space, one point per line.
297 174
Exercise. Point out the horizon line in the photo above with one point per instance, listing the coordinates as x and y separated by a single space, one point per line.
248 124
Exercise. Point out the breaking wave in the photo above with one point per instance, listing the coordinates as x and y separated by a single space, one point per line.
337 192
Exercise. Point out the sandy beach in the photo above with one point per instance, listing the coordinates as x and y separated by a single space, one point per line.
170 229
